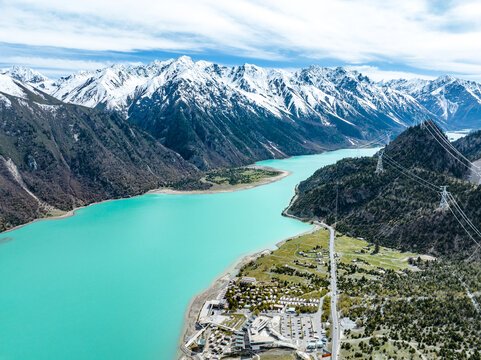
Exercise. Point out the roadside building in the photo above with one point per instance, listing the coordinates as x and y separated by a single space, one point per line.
247 280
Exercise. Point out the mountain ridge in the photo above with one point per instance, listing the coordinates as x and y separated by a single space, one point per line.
454 102
434 95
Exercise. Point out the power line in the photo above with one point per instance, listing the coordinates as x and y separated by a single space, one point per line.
377 140
460 223
412 176
447 150
463 214
446 141
409 173
469 163
379 167
445 196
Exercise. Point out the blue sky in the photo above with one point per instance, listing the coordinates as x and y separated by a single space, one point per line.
384 39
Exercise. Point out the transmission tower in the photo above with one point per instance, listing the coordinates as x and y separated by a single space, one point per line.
379 168
444 198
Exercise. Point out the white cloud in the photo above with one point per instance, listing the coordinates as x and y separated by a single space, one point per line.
56 67
53 63
352 31
376 74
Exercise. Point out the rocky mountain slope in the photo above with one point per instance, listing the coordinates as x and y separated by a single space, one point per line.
397 207
56 156
234 115
455 102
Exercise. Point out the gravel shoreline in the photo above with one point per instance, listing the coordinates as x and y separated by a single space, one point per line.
218 284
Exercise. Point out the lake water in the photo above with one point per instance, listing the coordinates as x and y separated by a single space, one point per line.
113 281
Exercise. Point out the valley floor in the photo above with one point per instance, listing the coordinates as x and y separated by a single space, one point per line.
221 283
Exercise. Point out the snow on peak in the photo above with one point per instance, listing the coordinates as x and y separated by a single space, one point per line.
10 86
184 59
314 91
24 74
445 79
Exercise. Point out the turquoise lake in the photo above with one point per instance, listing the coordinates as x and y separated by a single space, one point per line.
113 281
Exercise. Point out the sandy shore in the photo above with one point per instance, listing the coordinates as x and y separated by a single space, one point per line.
220 189
220 283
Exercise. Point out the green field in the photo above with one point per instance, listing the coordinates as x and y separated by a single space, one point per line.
382 350
235 321
361 252
288 254
236 176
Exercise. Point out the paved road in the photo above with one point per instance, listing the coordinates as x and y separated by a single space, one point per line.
335 320
334 317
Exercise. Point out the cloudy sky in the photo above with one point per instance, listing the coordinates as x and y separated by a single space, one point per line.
384 39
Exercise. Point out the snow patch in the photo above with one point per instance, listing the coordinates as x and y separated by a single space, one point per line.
50 108
10 87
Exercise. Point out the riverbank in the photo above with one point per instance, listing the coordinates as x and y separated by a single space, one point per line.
221 282
225 188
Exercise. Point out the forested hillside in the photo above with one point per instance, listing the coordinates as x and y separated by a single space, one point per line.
398 207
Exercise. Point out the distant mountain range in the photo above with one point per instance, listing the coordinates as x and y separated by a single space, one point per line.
456 103
400 206
235 115
121 130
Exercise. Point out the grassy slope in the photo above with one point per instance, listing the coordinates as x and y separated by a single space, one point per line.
286 255
351 249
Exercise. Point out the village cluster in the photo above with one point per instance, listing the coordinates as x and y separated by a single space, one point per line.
243 294
248 317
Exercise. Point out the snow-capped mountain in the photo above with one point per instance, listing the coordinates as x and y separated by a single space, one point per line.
232 115
14 87
25 75
455 101
319 93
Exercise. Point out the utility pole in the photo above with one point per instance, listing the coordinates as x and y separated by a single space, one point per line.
444 198
379 167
